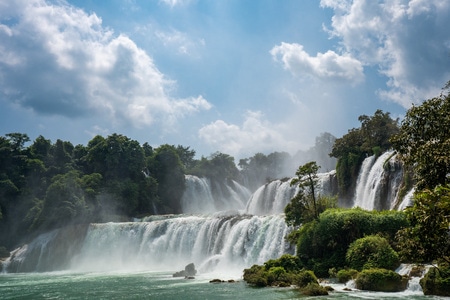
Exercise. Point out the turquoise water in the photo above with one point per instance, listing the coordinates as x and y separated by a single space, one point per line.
155 285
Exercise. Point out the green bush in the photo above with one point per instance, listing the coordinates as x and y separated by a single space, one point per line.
436 281
323 244
371 251
345 275
256 276
314 289
289 262
303 278
381 280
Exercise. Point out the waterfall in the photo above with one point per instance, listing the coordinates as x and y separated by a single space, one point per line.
378 182
216 242
273 197
201 196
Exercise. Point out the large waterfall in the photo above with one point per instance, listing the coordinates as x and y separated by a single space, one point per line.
216 242
222 227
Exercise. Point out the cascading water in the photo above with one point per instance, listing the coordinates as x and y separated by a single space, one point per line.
217 242
378 182
273 197
202 197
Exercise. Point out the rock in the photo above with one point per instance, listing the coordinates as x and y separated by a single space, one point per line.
189 277
417 271
436 281
189 271
216 281
179 274
381 280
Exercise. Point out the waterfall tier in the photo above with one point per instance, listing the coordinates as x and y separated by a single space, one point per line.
273 197
203 196
218 242
378 183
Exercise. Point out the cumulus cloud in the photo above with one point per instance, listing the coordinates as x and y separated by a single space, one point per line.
407 41
328 65
254 135
57 59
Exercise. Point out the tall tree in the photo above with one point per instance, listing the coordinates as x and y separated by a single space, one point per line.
303 207
424 141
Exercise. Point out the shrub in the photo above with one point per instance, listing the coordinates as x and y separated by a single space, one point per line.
345 275
303 278
381 280
256 276
436 281
314 289
290 263
323 244
372 252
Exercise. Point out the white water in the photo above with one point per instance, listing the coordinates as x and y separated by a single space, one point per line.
273 197
219 242
378 183
199 197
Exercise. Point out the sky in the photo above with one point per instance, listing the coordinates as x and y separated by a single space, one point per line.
233 76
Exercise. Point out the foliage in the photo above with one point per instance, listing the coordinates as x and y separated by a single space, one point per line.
427 238
436 281
290 263
345 275
314 289
424 141
323 244
261 168
380 280
351 149
168 171
306 206
284 271
372 251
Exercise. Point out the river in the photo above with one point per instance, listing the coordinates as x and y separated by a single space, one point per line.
159 285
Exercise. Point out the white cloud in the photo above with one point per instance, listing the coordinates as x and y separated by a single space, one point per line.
179 41
328 65
407 41
173 3
74 66
254 135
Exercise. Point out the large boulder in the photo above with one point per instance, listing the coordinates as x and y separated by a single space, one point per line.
188 272
436 281
380 280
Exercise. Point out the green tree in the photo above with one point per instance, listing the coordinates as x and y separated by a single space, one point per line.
167 168
428 236
373 137
64 202
303 207
424 141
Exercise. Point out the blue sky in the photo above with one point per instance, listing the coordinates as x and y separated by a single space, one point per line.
233 76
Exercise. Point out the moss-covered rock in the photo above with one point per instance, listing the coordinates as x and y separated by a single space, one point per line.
381 280
436 281
370 252
345 275
314 289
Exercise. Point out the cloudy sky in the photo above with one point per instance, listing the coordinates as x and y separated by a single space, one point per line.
233 76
